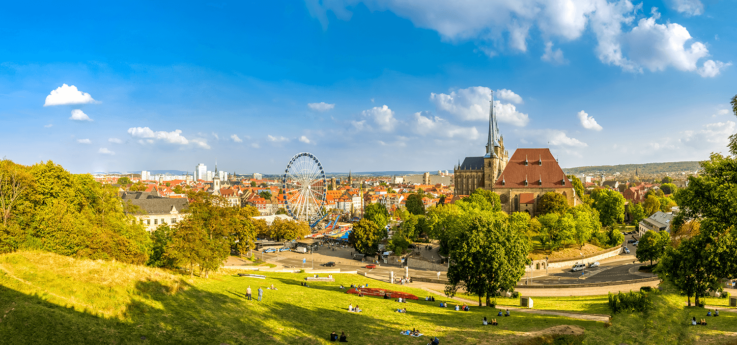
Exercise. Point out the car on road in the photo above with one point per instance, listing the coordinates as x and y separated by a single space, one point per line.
578 267
626 250
284 249
329 264
370 266
269 250
635 243
594 264
632 241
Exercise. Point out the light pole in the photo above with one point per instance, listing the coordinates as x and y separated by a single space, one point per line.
546 265
583 273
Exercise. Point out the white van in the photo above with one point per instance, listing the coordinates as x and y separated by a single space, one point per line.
302 250
578 267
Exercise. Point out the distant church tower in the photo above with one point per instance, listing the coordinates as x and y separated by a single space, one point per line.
350 179
496 156
216 181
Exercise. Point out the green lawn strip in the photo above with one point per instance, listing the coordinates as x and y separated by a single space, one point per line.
215 311
720 302
571 304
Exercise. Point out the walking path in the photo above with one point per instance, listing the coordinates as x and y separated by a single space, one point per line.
587 317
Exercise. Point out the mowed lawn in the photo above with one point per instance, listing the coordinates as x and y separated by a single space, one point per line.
46 298
51 299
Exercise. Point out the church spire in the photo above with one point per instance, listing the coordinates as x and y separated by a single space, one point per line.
493 140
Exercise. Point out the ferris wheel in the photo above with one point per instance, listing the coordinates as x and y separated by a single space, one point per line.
305 188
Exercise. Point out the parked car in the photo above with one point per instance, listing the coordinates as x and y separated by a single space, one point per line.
632 241
626 250
284 249
594 264
270 250
578 267
370 266
329 264
636 243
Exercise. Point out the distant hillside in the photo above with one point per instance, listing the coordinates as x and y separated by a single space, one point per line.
642 169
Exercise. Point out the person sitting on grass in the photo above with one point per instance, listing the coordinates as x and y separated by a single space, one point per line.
343 337
457 308
709 313
467 308
333 336
432 298
494 323
435 341
703 322
716 312
500 313
442 305
485 322
357 309
416 333
341 286
693 321
350 307
507 313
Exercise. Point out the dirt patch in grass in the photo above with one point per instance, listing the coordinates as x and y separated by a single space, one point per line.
560 329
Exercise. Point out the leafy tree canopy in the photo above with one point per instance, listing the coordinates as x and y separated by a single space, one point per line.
552 202
414 204
265 194
610 205
577 186
365 236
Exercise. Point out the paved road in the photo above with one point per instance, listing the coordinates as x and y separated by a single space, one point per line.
608 272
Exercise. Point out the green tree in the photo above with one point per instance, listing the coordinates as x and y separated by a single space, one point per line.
666 204
655 192
667 179
160 239
610 205
253 183
668 188
520 222
652 246
587 223
556 230
638 213
378 214
288 230
243 231
577 186
281 210
124 181
187 244
178 189
487 259
414 204
265 194
552 202
264 184
485 200
651 205
365 237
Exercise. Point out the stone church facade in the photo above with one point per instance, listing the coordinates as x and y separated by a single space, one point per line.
520 180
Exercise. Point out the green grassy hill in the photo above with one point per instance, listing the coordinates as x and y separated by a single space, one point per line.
642 169
51 299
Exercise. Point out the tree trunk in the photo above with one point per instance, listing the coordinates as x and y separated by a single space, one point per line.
480 304
696 300
689 300
488 300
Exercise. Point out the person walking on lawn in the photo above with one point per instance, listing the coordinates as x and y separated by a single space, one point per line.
248 293
260 293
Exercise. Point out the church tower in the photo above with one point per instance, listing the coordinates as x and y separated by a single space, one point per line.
216 181
496 156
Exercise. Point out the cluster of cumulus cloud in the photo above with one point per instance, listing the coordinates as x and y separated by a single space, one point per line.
625 36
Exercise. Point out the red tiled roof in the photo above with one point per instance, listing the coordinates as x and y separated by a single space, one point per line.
549 172
527 198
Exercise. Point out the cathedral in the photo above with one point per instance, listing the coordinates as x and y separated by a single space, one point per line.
482 172
519 180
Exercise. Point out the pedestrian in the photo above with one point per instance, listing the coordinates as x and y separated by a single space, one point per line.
248 293
438 275
260 293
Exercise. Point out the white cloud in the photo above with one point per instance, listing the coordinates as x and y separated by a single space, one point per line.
553 56
359 125
255 145
277 139
217 137
322 106
501 23
712 68
712 136
439 127
175 137
721 112
658 46
551 137
115 140
382 117
106 151
509 95
66 94
79 115
588 122
304 139
48 126
687 7
235 138
472 104
84 141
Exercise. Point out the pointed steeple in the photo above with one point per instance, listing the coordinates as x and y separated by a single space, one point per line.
493 140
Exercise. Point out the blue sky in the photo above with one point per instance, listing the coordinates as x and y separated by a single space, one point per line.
364 85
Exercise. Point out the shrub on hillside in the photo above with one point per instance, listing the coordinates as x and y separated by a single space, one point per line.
629 302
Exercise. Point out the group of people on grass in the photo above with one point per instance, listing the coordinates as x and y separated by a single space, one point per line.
413 332
355 309
343 338
702 322
430 298
260 292
493 322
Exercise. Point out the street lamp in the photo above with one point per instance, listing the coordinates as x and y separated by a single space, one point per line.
583 273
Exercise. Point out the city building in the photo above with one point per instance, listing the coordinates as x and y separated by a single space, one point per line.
156 210
200 172
145 175
659 221
257 176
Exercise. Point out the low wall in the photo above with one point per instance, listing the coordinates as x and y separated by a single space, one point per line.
571 286
539 265
287 270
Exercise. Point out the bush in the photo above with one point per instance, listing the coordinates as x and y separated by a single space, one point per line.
725 294
493 303
301 271
515 294
629 302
